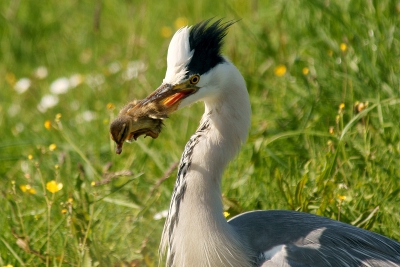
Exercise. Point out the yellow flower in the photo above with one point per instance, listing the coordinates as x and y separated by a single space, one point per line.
30 157
47 124
52 147
64 211
8 265
27 189
181 22
166 32
10 78
110 106
331 130
32 191
93 183
226 214
70 200
341 198
341 106
306 71
24 188
53 186
343 47
280 70
58 117
360 106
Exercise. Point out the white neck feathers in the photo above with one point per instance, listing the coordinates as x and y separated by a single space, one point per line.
196 232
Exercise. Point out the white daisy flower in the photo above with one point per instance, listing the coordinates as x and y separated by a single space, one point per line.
22 85
47 101
41 72
60 86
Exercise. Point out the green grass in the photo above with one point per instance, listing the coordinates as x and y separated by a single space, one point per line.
303 153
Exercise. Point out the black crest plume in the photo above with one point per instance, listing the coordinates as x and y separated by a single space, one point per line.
206 41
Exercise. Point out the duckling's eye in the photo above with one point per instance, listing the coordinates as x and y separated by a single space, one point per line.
194 79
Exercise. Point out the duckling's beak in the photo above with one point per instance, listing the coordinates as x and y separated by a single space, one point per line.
118 148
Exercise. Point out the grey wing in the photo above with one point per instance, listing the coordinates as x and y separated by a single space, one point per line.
288 238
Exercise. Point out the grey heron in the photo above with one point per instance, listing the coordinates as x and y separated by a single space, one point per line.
196 232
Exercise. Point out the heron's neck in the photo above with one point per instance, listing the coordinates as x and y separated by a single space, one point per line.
196 231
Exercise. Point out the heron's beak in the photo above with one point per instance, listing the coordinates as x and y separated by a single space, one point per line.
167 97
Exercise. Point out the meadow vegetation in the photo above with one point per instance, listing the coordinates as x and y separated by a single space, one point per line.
324 83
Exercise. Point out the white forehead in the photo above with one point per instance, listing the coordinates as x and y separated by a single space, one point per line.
179 56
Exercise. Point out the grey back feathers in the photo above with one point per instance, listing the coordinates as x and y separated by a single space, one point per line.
311 240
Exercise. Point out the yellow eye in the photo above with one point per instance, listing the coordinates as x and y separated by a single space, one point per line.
194 79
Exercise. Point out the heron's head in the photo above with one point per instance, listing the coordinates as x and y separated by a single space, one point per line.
195 71
193 55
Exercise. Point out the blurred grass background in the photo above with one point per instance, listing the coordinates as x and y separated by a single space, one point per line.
323 78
